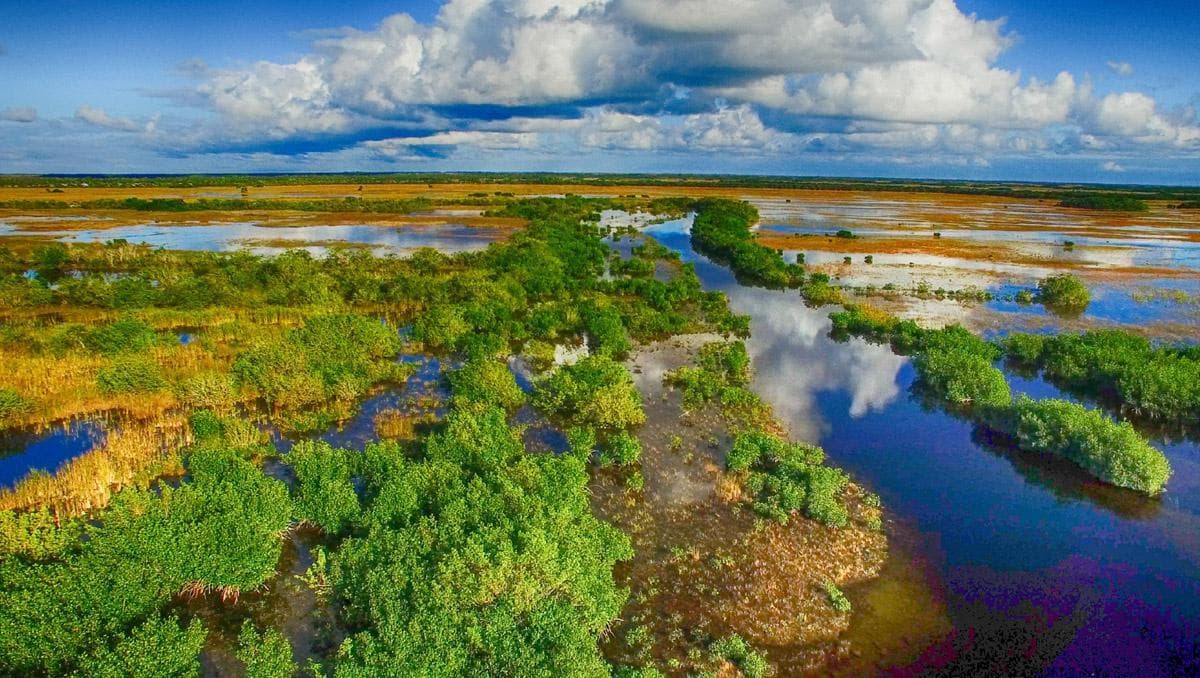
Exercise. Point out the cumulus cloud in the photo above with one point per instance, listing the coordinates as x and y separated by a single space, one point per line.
757 76
19 114
1121 68
1112 166
99 117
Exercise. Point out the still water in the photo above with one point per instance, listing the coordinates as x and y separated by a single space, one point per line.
1037 567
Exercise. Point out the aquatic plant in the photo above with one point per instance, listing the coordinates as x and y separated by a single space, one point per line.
324 494
721 231
1112 452
734 649
488 381
837 599
784 478
1063 291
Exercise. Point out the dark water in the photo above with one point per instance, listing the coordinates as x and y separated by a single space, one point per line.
1041 568
24 451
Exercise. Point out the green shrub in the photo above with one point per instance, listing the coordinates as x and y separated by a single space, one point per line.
1064 291
1104 201
735 649
130 374
157 647
487 381
128 335
1112 452
622 448
837 599
324 491
963 378
595 392
788 477
265 655
1025 349
721 231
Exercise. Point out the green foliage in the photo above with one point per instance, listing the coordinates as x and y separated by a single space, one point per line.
37 535
480 559
837 599
604 327
1064 291
1113 452
1162 382
735 649
784 478
329 358
128 335
220 529
131 374
487 381
621 449
963 378
721 231
595 392
156 648
1108 202
265 655
324 493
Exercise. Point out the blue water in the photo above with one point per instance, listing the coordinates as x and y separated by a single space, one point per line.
22 452
1025 549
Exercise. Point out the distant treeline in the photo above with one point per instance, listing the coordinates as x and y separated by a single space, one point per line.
1000 189
1105 201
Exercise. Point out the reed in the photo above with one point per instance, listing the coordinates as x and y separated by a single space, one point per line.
132 455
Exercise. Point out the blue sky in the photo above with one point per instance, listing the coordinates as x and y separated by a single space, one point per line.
985 89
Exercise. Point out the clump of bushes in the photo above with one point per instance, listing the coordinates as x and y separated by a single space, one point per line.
595 393
481 380
12 406
1110 451
128 335
964 378
735 649
330 358
721 231
837 599
1063 291
784 478
130 374
265 655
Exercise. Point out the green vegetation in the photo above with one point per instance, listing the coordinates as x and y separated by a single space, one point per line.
1063 291
1108 202
837 599
721 231
1161 383
956 367
596 394
735 649
1113 452
784 478
265 655
94 605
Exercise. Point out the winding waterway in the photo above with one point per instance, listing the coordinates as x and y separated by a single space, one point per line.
1002 561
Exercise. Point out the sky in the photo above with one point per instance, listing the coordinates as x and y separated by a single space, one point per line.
1056 90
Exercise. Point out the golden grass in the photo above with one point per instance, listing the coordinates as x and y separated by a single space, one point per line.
134 454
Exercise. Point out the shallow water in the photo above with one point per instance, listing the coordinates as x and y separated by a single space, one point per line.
1025 552
24 451
447 238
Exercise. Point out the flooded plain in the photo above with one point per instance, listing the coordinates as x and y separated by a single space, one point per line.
267 239
1034 566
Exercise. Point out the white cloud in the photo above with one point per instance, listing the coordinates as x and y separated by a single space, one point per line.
1112 166
616 74
19 114
99 117
1121 68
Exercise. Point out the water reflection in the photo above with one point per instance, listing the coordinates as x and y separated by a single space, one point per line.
24 451
1012 532
448 238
